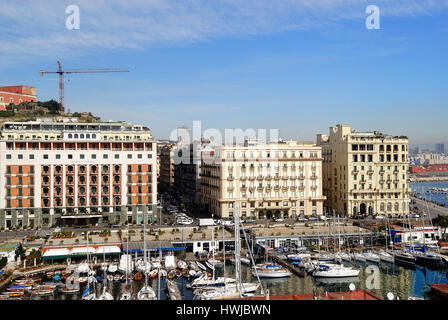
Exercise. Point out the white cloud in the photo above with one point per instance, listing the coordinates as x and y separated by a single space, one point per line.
34 28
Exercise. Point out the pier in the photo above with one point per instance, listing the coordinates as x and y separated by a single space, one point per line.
291 268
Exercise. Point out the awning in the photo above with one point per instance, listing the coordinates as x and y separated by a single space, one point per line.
82 251
52 253
108 250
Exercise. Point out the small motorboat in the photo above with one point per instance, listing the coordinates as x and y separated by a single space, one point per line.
185 272
117 277
163 273
66 290
112 268
138 276
178 273
192 273
201 266
171 275
110 277
153 274
182 264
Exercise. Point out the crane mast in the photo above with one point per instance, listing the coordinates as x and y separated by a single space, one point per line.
61 79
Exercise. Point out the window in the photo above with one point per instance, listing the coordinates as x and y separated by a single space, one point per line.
139 156
20 156
45 156
149 156
129 156
93 156
81 156
8 156
58 156
117 156
105 156
31 156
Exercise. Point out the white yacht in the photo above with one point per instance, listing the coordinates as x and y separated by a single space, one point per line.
372 257
146 293
204 280
343 256
334 271
267 270
386 256
358 256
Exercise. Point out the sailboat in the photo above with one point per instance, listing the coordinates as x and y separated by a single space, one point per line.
404 258
146 292
331 270
84 268
268 270
237 289
383 254
105 295
424 258
126 295
372 257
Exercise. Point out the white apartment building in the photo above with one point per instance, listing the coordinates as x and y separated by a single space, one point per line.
269 180
365 172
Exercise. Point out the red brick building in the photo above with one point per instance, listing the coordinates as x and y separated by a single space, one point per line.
16 95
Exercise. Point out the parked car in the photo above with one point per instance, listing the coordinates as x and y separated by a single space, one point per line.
279 220
380 217
312 218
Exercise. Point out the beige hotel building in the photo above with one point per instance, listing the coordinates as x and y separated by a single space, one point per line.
365 172
273 180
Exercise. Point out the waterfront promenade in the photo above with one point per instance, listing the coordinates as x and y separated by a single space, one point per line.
424 206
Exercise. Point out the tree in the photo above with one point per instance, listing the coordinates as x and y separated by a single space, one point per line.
441 221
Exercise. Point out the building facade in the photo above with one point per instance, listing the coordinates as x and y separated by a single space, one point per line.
365 172
440 148
16 95
73 173
273 180
166 177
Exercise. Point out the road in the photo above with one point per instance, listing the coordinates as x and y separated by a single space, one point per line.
434 209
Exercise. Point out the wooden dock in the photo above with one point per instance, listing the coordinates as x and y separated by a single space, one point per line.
291 268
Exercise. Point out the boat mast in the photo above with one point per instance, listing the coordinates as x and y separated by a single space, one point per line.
339 232
423 227
213 248
145 217
127 255
237 251
224 254
266 241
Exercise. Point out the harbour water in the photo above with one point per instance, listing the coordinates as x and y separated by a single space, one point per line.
378 278
439 198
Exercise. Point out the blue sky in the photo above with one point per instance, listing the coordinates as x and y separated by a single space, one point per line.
299 66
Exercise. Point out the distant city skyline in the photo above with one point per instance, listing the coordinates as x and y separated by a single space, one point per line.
297 66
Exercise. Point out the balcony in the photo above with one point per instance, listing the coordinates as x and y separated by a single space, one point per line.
243 178
313 177
259 177
230 178
301 177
